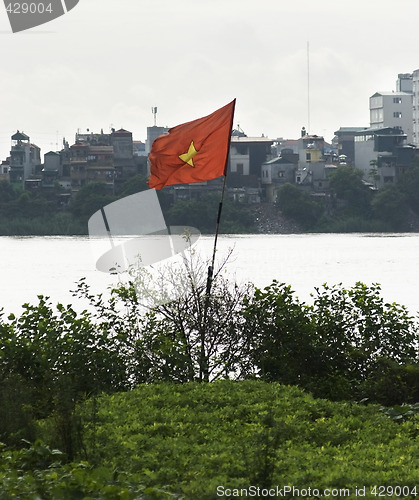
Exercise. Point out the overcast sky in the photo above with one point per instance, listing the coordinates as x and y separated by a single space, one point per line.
107 62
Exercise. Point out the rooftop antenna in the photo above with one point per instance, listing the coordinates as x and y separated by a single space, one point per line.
308 87
154 111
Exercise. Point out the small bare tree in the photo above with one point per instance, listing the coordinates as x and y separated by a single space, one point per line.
189 331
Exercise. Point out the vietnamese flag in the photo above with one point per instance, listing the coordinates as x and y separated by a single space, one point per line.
196 151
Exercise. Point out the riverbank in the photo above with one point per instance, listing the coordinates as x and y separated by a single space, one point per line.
269 220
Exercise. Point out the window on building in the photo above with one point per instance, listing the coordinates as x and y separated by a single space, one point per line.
308 157
241 149
397 100
239 168
397 114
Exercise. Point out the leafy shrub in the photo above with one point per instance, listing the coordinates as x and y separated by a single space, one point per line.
349 344
54 359
37 472
299 205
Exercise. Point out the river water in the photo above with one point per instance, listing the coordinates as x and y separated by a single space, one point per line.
52 265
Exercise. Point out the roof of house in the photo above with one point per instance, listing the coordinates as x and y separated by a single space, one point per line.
121 131
346 130
20 136
266 140
391 92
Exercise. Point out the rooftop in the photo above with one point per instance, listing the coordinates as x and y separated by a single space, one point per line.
235 139
20 136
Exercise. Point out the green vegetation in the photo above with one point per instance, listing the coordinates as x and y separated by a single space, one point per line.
352 206
112 402
202 214
39 212
25 213
299 205
162 440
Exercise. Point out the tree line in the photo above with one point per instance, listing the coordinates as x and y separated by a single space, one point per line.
43 212
352 206
348 206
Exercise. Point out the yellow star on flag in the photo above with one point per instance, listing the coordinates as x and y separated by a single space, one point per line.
188 157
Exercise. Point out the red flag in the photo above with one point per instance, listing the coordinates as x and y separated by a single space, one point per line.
196 151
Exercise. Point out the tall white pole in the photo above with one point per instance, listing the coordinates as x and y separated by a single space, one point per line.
308 87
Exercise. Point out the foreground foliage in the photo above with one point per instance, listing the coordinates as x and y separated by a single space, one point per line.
348 345
37 473
119 390
189 439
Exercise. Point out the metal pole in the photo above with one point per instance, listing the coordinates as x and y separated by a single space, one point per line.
203 368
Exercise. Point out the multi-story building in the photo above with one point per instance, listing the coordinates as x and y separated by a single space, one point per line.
25 159
394 110
91 163
345 142
123 154
123 150
152 134
4 170
382 154
277 172
415 107
51 170
311 162
248 153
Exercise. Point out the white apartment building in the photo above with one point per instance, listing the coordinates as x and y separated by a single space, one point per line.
393 109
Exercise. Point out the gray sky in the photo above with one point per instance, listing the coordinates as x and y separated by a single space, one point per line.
106 63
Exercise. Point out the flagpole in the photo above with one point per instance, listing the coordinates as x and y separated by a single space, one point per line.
214 251
204 374
203 368
217 227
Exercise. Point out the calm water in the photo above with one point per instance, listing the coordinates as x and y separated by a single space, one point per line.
52 265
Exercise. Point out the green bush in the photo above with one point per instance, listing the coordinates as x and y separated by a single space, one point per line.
299 205
349 344
51 359
37 473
